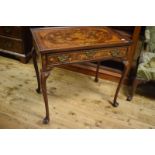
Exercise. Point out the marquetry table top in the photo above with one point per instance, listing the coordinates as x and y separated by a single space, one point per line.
56 39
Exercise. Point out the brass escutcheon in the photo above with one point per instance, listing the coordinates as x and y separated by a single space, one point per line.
115 53
63 58
89 54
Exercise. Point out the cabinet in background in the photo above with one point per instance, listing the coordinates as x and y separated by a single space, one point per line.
16 42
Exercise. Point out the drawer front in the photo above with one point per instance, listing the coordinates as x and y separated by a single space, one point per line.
86 55
11 45
11 31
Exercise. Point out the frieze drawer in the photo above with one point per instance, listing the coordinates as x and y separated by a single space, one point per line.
11 45
84 55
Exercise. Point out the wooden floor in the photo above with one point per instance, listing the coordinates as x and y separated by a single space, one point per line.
75 101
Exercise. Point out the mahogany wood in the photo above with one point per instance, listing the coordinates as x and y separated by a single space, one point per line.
107 73
67 45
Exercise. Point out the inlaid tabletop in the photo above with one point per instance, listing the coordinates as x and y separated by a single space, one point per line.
56 39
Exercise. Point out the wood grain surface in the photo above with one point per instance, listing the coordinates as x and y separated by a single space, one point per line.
81 104
73 38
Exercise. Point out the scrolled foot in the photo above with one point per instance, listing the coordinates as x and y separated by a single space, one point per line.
46 120
38 91
129 98
115 104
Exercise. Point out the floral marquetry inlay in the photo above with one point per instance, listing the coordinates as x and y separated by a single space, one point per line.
84 55
67 38
78 36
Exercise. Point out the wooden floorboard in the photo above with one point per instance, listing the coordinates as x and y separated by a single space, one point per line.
75 101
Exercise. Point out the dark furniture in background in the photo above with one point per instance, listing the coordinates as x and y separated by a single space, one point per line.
145 69
16 42
69 45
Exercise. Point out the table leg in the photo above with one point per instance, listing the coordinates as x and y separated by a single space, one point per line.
44 76
97 71
34 56
115 103
136 82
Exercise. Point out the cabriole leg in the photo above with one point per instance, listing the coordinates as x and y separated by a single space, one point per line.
34 56
133 89
44 76
115 103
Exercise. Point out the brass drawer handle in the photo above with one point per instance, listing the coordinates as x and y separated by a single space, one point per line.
63 58
115 53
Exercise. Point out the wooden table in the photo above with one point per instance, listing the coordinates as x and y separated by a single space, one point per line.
67 45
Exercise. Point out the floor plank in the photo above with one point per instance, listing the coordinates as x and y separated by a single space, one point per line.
75 101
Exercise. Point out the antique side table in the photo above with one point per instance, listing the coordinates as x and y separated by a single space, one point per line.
67 45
